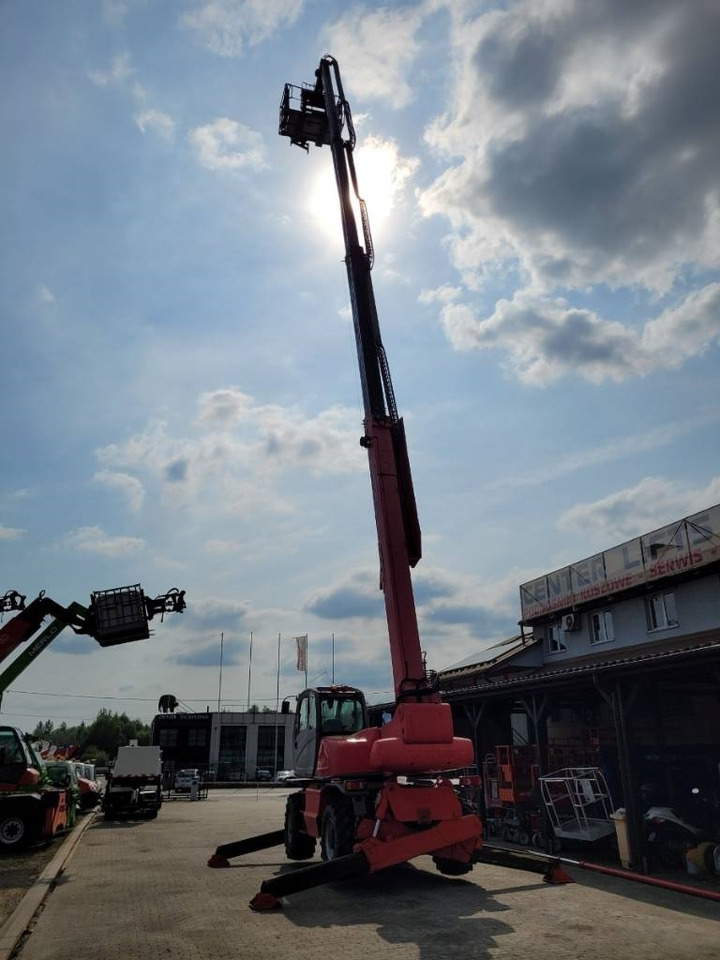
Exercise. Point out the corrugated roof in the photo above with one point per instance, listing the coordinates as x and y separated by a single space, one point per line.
708 642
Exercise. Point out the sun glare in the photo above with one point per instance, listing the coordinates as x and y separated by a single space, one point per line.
382 176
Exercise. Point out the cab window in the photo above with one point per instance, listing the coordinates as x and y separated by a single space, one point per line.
306 716
341 715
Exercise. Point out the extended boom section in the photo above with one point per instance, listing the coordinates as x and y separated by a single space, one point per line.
372 796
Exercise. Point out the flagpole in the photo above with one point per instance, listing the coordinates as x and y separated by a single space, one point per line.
307 658
220 681
333 659
277 706
249 671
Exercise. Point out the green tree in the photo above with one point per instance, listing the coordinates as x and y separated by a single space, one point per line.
95 754
105 734
44 730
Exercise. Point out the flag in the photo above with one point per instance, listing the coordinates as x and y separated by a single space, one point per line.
302 643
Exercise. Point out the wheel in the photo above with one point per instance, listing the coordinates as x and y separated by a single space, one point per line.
16 830
298 844
452 868
338 830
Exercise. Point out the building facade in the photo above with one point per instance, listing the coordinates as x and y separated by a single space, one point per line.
227 746
618 667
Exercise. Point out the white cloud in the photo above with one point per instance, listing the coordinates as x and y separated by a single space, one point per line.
95 540
11 533
227 26
114 11
618 448
583 144
576 146
147 118
631 512
130 487
120 70
226 144
546 339
443 294
158 122
238 451
44 294
375 51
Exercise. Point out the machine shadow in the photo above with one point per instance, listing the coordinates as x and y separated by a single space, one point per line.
442 916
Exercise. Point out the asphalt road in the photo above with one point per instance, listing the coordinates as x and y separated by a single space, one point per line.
143 891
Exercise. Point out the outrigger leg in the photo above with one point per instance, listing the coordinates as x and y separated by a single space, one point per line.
221 857
353 866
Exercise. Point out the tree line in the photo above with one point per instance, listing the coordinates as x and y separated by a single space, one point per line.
98 740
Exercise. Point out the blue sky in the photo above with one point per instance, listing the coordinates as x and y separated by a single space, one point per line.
181 402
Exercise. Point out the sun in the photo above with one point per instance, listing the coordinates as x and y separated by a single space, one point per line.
382 178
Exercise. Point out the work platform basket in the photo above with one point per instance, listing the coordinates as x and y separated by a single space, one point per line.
120 615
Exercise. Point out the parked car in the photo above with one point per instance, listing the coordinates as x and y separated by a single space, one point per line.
285 775
184 780
262 774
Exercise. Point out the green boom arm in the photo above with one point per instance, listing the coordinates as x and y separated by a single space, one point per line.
74 613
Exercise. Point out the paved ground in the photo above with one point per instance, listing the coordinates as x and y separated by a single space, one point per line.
142 891
18 872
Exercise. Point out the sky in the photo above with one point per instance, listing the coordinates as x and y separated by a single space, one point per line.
181 403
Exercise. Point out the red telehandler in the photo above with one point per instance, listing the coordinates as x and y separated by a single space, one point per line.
373 796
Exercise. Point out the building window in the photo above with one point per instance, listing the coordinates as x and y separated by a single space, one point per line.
231 759
556 639
271 747
197 737
601 627
661 612
167 737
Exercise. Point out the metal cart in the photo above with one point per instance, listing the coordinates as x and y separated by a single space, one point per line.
578 803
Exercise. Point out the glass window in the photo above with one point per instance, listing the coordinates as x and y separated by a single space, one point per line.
661 611
232 746
556 639
197 737
167 736
341 715
306 715
11 750
601 627
271 747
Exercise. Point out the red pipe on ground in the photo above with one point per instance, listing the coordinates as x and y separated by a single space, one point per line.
641 878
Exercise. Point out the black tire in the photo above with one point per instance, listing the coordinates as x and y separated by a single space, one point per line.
337 835
452 868
17 829
298 844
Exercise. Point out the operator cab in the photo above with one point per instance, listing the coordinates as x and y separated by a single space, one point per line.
324 712
19 766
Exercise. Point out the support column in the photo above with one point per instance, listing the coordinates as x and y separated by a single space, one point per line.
537 711
474 712
621 702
